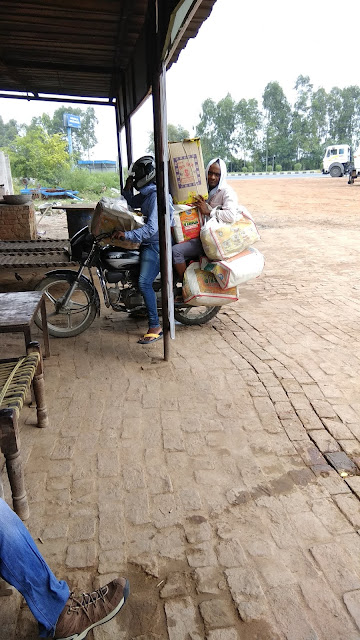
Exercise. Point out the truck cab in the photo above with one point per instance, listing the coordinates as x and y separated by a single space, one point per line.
336 160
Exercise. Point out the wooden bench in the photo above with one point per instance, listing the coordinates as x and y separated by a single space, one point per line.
16 377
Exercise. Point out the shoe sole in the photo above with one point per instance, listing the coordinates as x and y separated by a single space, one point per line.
83 634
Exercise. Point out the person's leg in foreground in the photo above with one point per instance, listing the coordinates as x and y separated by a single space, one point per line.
149 269
59 613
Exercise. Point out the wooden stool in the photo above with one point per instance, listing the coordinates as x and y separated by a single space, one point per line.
16 376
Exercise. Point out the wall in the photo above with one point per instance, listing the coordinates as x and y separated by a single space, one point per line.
17 222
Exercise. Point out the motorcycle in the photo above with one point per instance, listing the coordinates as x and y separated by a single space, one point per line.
73 302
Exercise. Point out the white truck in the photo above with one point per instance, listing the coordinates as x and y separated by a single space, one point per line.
339 160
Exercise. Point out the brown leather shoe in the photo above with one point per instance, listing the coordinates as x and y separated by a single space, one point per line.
89 610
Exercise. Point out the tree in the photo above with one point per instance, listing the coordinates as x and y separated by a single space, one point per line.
83 139
344 115
8 132
248 127
38 155
176 133
218 129
301 124
277 140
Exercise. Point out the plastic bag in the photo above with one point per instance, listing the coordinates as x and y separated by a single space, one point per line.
224 240
187 223
201 288
114 214
237 270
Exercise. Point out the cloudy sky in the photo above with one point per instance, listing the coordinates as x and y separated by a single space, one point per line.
239 49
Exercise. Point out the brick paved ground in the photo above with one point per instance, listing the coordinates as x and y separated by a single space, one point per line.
215 482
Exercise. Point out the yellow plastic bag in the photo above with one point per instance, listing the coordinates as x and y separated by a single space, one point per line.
224 240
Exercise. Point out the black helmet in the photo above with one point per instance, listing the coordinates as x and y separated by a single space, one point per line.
143 171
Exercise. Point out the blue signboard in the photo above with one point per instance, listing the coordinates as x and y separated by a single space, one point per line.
70 120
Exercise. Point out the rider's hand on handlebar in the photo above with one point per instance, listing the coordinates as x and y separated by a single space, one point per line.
118 235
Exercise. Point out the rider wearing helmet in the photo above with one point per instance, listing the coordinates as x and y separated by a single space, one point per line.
142 177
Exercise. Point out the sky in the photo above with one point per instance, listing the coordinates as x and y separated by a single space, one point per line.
240 49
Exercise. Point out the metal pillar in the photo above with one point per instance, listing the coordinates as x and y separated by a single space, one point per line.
162 183
118 140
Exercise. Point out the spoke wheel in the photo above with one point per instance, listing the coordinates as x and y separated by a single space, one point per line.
195 315
72 318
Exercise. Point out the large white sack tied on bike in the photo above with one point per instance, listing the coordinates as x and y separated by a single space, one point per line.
201 288
237 270
224 239
114 214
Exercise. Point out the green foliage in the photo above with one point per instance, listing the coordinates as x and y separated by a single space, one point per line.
250 168
244 169
278 167
176 133
38 155
96 182
8 132
297 166
227 127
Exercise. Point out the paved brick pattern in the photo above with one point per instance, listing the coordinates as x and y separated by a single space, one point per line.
225 483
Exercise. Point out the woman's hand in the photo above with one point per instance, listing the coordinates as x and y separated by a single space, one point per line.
201 204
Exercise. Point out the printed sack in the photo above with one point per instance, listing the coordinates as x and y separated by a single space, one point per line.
237 270
114 214
187 223
201 288
224 240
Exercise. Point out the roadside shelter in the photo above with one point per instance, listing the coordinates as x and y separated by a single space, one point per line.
113 52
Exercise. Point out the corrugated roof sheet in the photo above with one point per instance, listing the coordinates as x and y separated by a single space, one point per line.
79 48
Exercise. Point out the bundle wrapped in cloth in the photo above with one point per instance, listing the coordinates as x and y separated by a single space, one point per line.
234 271
222 240
114 214
201 288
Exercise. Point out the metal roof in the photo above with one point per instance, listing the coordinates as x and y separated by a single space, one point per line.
87 48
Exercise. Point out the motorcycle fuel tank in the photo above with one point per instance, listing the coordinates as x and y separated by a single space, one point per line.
119 259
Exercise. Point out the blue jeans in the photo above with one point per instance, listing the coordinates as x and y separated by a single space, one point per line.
149 269
22 566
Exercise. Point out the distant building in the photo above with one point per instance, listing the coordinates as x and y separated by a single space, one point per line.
98 165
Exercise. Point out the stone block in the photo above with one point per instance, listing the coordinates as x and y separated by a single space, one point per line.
349 505
216 613
182 620
324 441
209 580
247 594
201 555
342 463
230 553
80 555
352 603
197 529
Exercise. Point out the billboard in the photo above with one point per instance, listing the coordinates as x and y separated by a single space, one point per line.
70 120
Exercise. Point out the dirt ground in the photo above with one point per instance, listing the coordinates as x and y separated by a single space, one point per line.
277 201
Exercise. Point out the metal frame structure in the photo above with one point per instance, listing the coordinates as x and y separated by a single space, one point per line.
113 52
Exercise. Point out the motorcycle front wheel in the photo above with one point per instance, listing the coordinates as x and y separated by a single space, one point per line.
66 321
195 315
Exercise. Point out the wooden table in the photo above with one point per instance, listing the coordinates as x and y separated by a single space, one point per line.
18 311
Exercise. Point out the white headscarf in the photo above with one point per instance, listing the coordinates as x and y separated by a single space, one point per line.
223 175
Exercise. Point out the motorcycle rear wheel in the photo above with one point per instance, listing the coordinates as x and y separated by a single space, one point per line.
195 315
79 313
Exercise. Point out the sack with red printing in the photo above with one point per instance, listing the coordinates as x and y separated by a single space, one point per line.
201 288
236 270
